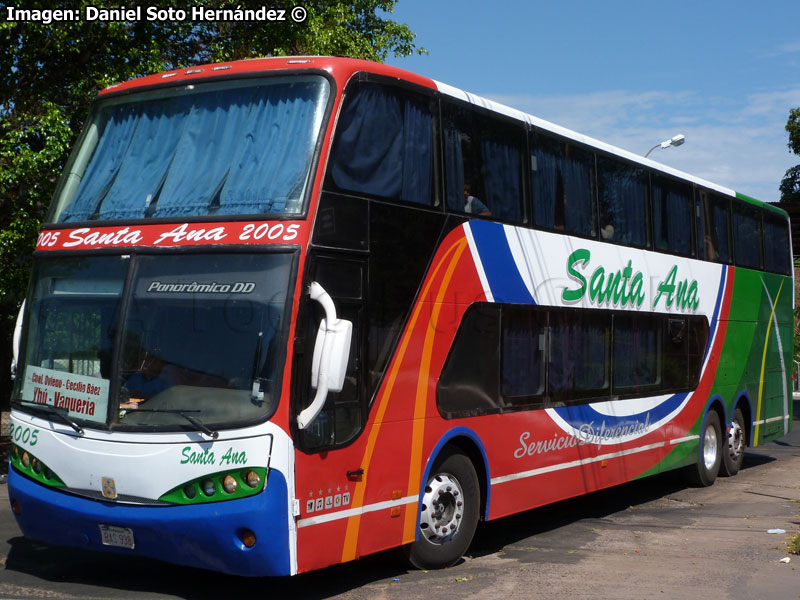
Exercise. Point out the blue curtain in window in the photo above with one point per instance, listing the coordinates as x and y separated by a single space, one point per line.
273 155
104 166
369 149
502 181
144 166
578 208
562 193
545 189
577 354
679 223
637 347
719 231
671 220
623 215
454 168
199 164
384 147
236 151
417 154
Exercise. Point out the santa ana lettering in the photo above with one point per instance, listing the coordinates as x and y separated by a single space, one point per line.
616 288
686 297
624 287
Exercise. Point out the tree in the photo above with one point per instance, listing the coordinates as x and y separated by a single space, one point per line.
790 185
49 74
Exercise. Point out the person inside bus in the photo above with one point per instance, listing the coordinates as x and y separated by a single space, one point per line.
152 377
473 205
711 251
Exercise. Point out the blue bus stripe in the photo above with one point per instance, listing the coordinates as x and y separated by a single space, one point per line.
501 271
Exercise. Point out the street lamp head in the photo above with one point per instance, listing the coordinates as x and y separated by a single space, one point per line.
675 140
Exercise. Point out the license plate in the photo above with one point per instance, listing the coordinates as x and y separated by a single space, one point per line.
121 537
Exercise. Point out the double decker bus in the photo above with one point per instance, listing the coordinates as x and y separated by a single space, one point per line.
288 312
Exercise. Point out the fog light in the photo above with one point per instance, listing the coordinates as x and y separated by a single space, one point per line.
229 484
252 478
248 538
209 489
190 491
26 460
18 509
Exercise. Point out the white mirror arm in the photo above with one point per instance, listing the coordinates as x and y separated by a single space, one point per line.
16 342
308 414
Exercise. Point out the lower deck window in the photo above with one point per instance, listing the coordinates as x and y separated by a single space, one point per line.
509 357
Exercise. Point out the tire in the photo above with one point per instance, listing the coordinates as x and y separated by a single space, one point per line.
448 513
733 446
704 472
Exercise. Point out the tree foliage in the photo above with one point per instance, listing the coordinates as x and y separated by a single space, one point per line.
790 185
49 74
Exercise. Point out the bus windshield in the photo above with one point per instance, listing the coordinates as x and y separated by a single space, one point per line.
225 148
199 338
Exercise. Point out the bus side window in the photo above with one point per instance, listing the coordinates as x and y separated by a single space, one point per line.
469 383
384 145
672 215
578 357
637 350
776 244
523 356
622 202
562 176
747 235
483 164
713 227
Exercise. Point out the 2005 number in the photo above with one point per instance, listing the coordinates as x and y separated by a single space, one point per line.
269 231
26 435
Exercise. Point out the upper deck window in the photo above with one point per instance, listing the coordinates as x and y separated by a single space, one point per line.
622 202
563 177
229 148
384 145
672 215
776 244
713 227
483 163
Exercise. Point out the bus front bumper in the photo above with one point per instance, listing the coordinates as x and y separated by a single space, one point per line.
206 536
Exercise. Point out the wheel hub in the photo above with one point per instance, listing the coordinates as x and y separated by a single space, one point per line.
710 448
442 509
735 441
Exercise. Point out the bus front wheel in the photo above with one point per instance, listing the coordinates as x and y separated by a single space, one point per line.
704 472
448 513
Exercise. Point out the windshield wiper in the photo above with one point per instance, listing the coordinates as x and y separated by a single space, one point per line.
50 409
199 425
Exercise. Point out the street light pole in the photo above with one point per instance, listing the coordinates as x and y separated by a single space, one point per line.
675 140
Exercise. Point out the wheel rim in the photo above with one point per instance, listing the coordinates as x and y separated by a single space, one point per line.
442 509
710 448
735 441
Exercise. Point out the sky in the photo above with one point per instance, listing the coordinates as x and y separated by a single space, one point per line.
632 73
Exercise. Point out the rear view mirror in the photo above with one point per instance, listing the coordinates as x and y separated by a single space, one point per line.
331 355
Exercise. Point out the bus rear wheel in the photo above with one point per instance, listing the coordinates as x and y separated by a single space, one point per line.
704 472
448 513
733 452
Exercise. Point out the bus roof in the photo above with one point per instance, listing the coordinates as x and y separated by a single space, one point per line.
341 69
